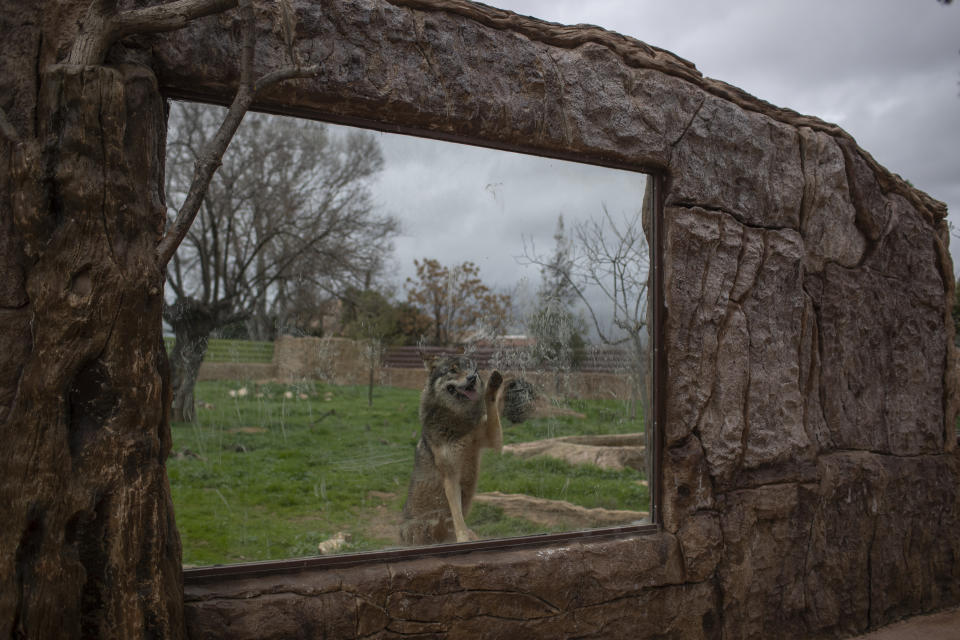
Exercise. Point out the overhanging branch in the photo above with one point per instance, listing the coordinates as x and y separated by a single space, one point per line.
210 158
103 25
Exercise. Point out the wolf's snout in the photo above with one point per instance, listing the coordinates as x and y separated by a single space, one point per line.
472 379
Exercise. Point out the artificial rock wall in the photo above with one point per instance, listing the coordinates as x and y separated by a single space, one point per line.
811 482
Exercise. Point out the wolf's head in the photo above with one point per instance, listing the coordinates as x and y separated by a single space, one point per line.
454 381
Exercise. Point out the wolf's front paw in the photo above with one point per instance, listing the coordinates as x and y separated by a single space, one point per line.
467 536
493 384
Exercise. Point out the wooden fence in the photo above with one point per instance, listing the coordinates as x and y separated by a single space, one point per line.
596 359
237 351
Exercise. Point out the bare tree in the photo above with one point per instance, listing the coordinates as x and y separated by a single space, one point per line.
555 324
372 321
608 264
288 213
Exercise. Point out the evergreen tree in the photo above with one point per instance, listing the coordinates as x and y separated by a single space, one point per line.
555 325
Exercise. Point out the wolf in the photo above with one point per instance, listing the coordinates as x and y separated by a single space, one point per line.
458 418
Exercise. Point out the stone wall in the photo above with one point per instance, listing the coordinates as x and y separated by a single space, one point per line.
237 371
811 483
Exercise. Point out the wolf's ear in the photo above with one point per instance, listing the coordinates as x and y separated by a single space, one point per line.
428 359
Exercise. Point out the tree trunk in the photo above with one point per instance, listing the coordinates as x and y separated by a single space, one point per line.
260 326
188 354
88 546
370 386
192 324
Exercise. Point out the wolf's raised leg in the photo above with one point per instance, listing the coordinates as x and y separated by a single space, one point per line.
493 430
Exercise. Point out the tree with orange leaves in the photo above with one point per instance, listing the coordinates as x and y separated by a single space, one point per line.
457 301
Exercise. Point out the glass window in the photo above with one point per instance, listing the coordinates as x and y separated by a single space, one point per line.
372 333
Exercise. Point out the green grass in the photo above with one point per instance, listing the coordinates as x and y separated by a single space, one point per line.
222 350
584 485
269 472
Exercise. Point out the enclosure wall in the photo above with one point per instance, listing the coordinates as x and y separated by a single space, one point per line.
810 475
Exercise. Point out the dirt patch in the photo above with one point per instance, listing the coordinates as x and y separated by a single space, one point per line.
247 430
554 513
383 523
186 453
606 451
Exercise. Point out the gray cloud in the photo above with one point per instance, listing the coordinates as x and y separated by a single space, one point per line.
458 203
886 71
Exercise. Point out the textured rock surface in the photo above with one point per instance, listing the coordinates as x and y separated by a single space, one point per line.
737 381
739 162
596 591
808 352
810 473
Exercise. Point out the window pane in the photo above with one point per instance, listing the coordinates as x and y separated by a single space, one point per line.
350 295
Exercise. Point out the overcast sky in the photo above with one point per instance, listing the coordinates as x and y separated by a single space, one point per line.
460 203
886 71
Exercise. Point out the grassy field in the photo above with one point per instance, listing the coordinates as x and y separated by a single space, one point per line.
268 471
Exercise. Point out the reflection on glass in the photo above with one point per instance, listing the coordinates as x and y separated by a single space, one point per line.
351 294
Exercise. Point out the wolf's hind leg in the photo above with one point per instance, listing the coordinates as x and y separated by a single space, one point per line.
451 487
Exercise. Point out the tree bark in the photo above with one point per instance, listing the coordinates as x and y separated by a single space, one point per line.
89 547
188 354
192 324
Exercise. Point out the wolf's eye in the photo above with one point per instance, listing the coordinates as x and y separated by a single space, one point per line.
451 388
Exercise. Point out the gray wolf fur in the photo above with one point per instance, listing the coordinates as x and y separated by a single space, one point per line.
458 418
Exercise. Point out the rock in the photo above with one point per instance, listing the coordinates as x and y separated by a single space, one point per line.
334 544
873 547
762 568
686 471
606 452
701 541
558 512
882 389
741 163
739 291
827 218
